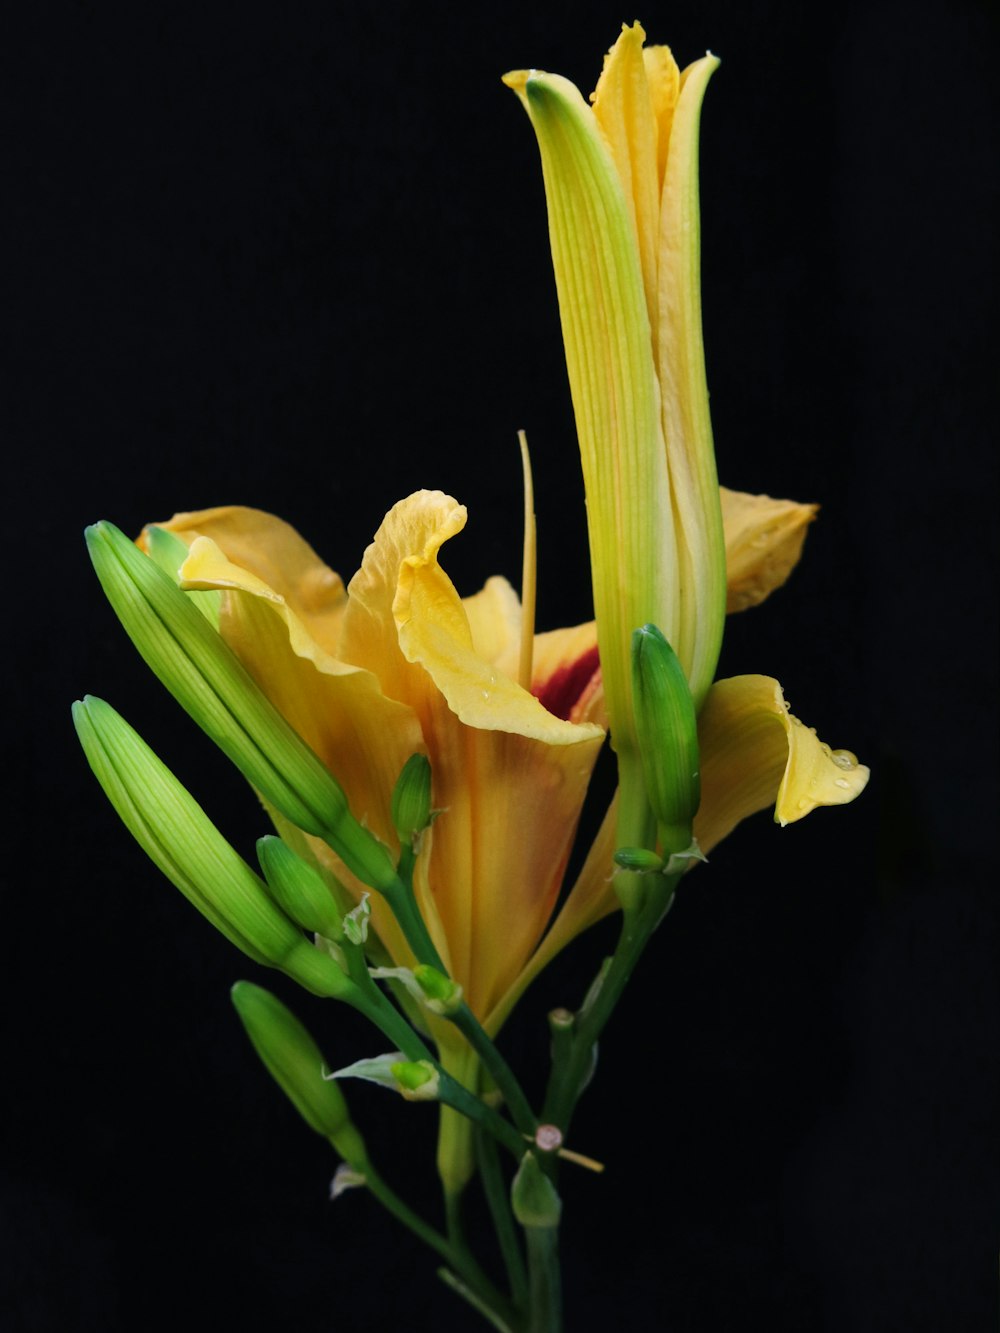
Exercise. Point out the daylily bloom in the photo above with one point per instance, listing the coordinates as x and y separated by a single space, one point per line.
398 663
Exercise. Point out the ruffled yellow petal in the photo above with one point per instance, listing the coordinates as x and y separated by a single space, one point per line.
415 528
271 549
754 753
434 631
764 540
508 776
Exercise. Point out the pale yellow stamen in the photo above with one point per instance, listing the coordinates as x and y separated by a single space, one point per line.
580 1160
528 571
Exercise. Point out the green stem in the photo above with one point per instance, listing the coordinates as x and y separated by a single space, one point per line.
404 907
457 1257
544 1288
498 1200
390 1022
460 1246
491 1316
637 927
500 1071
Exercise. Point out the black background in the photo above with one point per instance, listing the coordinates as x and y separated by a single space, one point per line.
296 257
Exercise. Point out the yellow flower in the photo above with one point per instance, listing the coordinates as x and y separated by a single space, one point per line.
397 663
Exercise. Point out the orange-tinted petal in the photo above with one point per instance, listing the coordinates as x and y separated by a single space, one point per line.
271 549
764 540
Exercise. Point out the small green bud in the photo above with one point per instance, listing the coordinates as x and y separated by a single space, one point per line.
639 859
441 994
411 799
533 1196
416 1080
296 1064
430 988
667 730
298 889
177 835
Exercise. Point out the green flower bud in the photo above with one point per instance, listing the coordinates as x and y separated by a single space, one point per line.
213 686
667 730
295 1063
430 988
298 889
441 994
182 841
533 1196
639 859
416 1080
411 799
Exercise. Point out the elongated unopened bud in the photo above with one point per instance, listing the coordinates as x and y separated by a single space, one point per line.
299 889
182 841
210 683
411 798
667 730
213 686
296 1064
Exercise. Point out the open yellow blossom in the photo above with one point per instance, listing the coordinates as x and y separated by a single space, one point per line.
397 663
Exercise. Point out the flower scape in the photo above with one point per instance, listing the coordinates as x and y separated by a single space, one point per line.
398 733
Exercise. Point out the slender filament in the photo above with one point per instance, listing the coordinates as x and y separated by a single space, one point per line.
528 571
